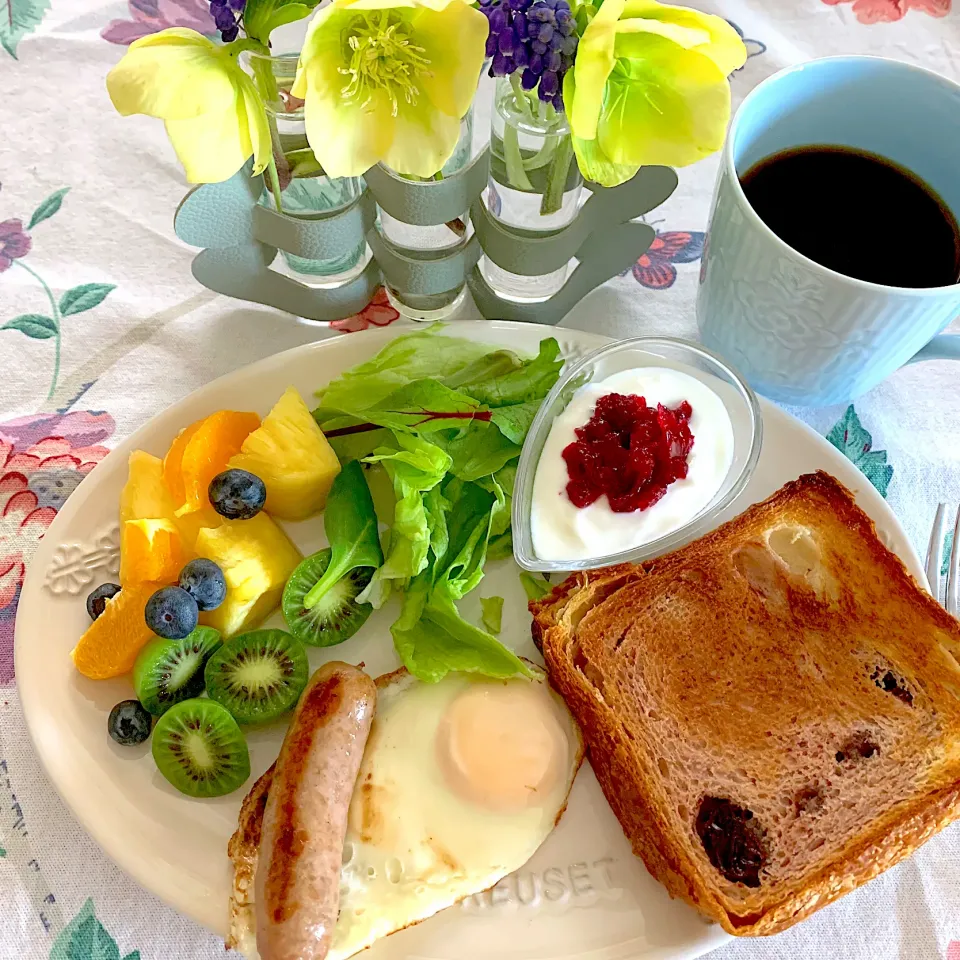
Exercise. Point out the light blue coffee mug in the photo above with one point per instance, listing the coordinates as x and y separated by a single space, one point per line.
799 332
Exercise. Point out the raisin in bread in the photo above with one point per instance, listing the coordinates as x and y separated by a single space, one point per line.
773 711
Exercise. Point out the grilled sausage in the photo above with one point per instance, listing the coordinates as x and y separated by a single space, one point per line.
305 821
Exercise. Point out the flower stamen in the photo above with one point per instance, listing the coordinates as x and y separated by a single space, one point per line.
382 56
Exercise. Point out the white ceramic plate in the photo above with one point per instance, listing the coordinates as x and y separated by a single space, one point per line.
582 895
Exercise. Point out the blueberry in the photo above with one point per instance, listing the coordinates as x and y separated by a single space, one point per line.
129 723
204 581
171 613
97 601
237 494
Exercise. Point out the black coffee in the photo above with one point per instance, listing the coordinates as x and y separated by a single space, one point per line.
857 213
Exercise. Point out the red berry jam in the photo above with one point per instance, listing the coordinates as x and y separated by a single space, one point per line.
628 451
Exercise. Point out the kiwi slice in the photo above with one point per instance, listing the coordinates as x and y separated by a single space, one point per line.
199 748
168 671
337 616
258 675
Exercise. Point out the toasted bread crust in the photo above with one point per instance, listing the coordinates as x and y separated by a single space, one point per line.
574 623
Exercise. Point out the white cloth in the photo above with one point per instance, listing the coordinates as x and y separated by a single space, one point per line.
156 335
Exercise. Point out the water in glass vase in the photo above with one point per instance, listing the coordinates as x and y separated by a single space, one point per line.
535 183
307 197
432 241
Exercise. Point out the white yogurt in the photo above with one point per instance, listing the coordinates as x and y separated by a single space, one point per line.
561 531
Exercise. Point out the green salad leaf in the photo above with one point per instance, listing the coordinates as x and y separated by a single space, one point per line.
536 588
350 523
492 613
415 467
446 419
426 354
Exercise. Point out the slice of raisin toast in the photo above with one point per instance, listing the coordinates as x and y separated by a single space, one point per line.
773 711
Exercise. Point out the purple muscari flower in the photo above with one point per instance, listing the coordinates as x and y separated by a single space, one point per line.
226 15
549 85
538 37
14 243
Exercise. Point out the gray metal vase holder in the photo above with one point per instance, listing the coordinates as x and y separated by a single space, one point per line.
241 238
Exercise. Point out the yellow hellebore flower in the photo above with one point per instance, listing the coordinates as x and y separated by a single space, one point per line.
649 85
389 80
211 109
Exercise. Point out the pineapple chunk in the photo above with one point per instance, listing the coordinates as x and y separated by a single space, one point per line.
145 495
291 455
256 558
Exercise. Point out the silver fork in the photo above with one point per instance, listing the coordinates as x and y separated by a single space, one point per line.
935 562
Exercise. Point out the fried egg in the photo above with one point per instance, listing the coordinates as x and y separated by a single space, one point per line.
461 781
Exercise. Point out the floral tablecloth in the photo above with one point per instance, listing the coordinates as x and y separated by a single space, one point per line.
102 326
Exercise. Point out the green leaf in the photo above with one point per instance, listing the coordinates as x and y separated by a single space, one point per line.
34 325
48 208
514 422
495 364
415 466
84 297
947 551
478 451
433 639
492 613
17 19
850 437
85 938
531 381
350 523
415 356
424 406
262 17
536 588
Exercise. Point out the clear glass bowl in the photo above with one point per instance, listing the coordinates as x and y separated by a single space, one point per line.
684 356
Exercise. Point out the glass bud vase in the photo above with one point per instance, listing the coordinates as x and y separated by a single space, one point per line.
426 242
305 190
535 183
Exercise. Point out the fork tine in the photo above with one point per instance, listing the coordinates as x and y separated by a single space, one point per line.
935 552
953 576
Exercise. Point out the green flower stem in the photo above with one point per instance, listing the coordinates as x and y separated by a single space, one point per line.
544 155
557 177
274 180
521 97
55 310
265 80
513 159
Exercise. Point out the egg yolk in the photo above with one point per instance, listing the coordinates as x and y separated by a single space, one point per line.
502 746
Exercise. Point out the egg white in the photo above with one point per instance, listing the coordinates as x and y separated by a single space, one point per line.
413 845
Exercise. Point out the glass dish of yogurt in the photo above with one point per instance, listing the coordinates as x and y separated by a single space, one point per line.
636 451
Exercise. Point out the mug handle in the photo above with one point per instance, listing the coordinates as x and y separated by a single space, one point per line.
944 346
